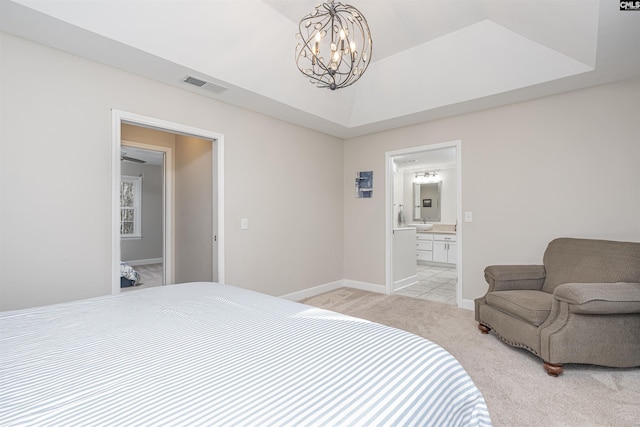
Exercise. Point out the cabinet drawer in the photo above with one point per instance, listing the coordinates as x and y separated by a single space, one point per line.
424 236
424 246
445 237
425 255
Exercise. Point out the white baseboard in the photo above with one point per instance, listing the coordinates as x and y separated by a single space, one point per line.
312 292
365 286
328 287
144 261
403 283
468 304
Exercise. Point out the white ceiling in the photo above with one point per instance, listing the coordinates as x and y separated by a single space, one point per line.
149 157
431 58
428 160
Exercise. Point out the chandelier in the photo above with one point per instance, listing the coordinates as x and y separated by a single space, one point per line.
334 45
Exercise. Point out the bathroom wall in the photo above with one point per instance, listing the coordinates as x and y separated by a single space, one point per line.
399 202
448 195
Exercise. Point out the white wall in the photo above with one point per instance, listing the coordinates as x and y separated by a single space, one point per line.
407 195
558 166
193 210
448 196
564 165
56 221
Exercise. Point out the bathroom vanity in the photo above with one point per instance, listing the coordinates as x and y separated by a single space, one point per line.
437 247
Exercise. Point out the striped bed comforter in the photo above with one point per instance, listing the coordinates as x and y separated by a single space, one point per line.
211 354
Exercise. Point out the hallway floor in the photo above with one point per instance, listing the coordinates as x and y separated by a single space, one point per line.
150 276
435 284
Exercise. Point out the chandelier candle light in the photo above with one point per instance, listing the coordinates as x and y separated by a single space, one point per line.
334 45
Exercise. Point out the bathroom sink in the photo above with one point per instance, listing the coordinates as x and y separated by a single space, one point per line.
422 227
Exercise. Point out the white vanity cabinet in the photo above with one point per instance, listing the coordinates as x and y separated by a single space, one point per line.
424 246
445 248
404 267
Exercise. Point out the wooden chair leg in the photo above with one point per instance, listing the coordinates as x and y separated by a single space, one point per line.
484 329
552 370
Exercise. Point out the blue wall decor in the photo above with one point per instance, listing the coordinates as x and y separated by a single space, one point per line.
364 184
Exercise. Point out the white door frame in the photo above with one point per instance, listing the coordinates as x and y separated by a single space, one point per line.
389 210
120 117
167 206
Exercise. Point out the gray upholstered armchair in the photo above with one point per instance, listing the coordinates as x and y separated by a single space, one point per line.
581 306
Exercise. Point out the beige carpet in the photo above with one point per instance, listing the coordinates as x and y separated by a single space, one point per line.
513 382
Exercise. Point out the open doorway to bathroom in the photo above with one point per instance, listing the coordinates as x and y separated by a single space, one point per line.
423 211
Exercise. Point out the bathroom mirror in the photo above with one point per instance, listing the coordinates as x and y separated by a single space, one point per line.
426 202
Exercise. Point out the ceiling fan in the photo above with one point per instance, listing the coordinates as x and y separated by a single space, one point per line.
124 157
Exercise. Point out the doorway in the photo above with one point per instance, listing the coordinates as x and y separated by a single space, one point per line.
192 146
146 223
424 194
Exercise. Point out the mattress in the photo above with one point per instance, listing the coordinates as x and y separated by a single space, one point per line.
212 354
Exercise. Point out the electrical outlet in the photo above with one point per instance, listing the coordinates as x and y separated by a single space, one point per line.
244 224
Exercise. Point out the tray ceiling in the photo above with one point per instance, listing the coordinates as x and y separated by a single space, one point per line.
431 59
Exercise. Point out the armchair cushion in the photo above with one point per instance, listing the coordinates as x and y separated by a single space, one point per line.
511 277
531 306
600 298
569 260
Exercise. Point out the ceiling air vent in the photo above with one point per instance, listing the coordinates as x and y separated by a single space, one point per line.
194 81
204 84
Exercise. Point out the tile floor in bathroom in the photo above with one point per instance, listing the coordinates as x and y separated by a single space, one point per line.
434 284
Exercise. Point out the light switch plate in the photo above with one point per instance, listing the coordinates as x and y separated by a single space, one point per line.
468 217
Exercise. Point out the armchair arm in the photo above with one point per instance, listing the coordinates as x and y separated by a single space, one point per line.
600 298
514 277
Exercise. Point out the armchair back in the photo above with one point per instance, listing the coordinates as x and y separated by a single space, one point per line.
569 260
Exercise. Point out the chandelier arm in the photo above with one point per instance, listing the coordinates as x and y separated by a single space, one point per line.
360 26
307 40
319 63
349 62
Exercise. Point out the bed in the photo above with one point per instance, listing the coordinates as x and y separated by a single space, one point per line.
213 354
